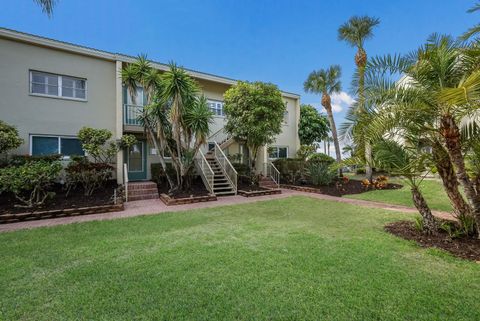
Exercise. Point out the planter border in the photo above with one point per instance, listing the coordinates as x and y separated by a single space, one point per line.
186 200
266 191
37 215
302 188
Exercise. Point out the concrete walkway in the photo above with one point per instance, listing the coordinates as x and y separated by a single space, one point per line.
151 207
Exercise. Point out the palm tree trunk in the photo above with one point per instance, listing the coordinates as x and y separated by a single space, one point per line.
368 159
449 180
325 147
333 129
361 60
429 222
451 134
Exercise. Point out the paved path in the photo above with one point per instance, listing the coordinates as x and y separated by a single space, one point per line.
150 207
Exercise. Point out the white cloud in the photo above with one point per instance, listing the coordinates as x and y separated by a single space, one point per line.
340 102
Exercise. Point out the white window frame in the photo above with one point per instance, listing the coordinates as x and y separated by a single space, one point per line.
59 86
215 101
59 143
278 151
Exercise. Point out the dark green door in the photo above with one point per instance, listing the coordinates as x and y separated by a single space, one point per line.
136 159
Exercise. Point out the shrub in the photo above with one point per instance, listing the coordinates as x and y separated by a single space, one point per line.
90 176
320 173
97 144
306 151
158 174
242 169
291 169
29 182
9 138
321 158
18 160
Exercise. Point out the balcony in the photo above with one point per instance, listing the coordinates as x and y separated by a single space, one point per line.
131 114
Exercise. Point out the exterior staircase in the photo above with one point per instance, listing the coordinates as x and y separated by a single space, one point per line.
142 191
268 182
221 184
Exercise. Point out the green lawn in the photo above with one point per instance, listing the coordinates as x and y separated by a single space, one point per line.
432 190
289 259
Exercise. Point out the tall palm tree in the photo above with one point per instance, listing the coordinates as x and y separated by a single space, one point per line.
46 5
475 30
327 82
355 31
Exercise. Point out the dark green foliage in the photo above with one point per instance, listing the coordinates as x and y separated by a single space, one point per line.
29 182
242 169
18 160
321 158
291 169
90 176
158 174
319 173
9 138
254 114
313 126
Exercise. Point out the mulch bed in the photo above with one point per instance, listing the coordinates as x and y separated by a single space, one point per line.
340 189
75 199
249 187
197 188
465 247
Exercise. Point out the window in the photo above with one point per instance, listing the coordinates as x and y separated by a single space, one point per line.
216 107
277 152
285 117
139 97
51 145
42 83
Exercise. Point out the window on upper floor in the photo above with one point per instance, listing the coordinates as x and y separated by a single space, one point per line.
277 152
285 117
47 84
139 97
216 107
52 145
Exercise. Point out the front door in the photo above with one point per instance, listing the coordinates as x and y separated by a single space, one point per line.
136 158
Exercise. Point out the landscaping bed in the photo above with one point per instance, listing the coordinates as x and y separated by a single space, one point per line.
338 189
76 203
463 247
197 193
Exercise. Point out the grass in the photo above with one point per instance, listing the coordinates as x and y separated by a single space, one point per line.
432 190
289 259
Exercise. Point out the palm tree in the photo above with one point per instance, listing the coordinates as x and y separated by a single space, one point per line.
440 86
412 164
355 31
475 30
46 5
327 82
176 118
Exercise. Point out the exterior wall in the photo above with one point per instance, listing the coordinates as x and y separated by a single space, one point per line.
54 116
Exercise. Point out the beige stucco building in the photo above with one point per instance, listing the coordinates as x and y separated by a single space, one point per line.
50 89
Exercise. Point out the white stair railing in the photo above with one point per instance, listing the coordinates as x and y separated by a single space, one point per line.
226 166
125 180
205 171
272 172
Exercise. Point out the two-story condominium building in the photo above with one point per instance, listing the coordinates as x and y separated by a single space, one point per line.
49 89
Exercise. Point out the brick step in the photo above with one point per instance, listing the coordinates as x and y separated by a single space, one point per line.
136 192
143 197
142 185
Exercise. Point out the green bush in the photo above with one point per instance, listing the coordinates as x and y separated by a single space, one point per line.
90 176
306 151
29 182
320 173
97 144
321 158
291 169
242 169
9 138
158 174
18 160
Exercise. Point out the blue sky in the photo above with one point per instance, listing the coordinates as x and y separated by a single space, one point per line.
277 41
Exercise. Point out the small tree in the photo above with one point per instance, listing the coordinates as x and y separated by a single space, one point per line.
254 114
313 126
9 138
